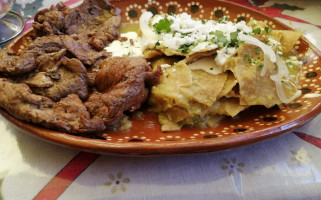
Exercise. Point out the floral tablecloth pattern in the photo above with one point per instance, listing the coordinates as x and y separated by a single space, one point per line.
285 167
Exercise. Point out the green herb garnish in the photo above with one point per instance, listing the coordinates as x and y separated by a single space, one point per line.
260 66
267 30
257 31
223 19
164 25
156 44
126 55
248 57
234 41
196 118
258 51
220 37
185 48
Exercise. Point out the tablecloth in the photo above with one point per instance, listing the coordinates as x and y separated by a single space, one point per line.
285 167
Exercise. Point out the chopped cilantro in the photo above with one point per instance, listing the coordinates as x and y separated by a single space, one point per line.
248 57
223 19
185 48
257 31
267 30
233 36
289 63
211 68
258 50
260 66
234 41
126 55
220 37
196 118
185 34
279 53
164 25
204 21
156 44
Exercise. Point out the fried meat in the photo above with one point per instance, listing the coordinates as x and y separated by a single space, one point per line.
122 84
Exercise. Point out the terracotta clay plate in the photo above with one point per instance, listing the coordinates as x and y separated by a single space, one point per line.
253 125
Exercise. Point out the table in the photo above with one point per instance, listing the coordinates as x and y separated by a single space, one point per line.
285 167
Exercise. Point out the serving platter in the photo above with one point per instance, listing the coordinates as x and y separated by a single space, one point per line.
252 125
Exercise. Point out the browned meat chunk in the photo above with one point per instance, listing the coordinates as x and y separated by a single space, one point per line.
50 62
18 100
122 84
40 80
72 116
48 44
40 52
10 63
69 114
50 21
70 78
48 80
74 46
82 50
94 21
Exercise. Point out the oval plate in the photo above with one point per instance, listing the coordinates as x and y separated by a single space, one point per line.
252 125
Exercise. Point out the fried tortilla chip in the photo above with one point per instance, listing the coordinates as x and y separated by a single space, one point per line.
229 85
168 125
254 88
227 106
287 38
184 93
205 87
167 93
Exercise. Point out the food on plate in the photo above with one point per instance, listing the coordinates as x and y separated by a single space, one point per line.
224 68
80 75
122 84
68 114
64 79
69 77
14 63
94 22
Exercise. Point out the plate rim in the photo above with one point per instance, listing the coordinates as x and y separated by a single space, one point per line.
175 147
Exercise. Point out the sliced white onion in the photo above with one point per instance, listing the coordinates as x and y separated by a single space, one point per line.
283 73
282 68
313 95
269 54
281 94
147 31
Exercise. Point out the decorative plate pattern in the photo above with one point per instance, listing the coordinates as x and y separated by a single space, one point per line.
255 124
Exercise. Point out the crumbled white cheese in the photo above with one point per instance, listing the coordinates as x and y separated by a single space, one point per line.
130 47
187 34
221 57
273 43
165 65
